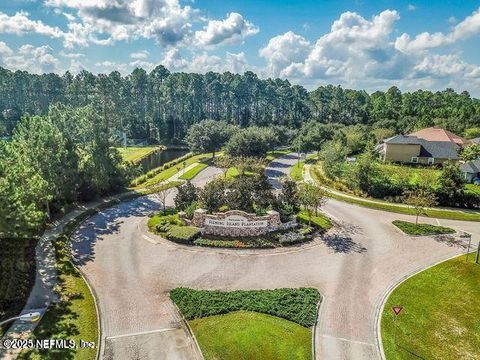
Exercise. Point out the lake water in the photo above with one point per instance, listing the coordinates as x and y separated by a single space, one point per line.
159 158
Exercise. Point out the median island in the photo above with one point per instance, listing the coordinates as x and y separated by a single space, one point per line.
242 212
256 324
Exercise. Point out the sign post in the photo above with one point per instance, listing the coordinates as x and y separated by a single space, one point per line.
397 309
477 257
469 237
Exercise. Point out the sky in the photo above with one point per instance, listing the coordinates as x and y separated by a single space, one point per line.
360 44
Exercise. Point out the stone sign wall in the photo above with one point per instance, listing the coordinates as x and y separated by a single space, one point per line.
235 223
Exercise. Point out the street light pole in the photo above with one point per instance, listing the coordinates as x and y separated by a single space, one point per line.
32 317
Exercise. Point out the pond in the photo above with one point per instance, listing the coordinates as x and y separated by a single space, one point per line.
160 157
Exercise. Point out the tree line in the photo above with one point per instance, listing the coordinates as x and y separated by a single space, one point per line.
161 106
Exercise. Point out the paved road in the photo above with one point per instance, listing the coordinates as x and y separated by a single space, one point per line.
352 266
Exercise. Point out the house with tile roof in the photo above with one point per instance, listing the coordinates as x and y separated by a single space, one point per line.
428 146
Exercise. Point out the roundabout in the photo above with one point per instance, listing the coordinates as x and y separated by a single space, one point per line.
352 265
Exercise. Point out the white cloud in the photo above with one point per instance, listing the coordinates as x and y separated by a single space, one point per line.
29 58
105 21
20 24
465 29
233 29
202 63
143 54
282 50
411 7
71 55
353 47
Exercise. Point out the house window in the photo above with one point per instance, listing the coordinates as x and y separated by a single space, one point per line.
431 161
414 159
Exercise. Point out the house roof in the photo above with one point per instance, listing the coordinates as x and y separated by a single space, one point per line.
403 139
439 134
471 167
435 149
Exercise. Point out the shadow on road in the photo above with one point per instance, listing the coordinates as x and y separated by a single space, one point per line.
340 243
106 222
450 240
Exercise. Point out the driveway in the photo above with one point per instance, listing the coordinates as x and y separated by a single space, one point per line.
352 266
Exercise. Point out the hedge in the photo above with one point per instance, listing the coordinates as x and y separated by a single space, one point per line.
297 305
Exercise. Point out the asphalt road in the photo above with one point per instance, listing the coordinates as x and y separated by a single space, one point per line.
132 272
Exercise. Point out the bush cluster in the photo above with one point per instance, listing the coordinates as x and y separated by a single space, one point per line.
244 243
182 234
291 237
297 305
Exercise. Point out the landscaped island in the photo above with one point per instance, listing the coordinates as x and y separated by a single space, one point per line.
242 212
440 314
256 324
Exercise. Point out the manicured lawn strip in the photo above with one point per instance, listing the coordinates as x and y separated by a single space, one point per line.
379 205
472 188
244 335
190 174
320 221
272 155
136 153
297 305
296 173
170 171
421 229
440 316
74 316
17 276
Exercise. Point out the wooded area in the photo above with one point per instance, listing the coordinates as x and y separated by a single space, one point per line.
160 106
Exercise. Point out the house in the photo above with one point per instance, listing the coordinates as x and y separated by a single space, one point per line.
428 146
471 171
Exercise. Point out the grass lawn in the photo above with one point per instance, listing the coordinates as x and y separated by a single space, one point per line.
440 317
320 221
190 174
412 174
17 276
233 172
410 228
245 335
172 170
73 317
272 155
296 173
136 153
465 215
472 188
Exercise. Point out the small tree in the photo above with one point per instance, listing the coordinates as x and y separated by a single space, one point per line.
250 142
212 196
208 136
162 195
224 163
471 152
312 198
451 184
187 194
420 199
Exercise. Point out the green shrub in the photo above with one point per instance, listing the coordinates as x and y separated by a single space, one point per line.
182 234
244 243
320 221
190 210
297 305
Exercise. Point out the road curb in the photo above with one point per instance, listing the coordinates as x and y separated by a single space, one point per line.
386 295
189 330
314 332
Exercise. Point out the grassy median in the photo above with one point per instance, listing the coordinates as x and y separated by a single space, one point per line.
410 228
246 335
440 317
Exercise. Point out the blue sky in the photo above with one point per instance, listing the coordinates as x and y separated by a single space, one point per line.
355 43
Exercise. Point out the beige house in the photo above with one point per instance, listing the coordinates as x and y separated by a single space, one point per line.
428 146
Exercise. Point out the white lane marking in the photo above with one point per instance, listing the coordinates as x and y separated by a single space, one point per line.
149 239
438 222
141 333
347 340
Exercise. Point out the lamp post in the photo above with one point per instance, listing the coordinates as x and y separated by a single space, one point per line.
29 317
